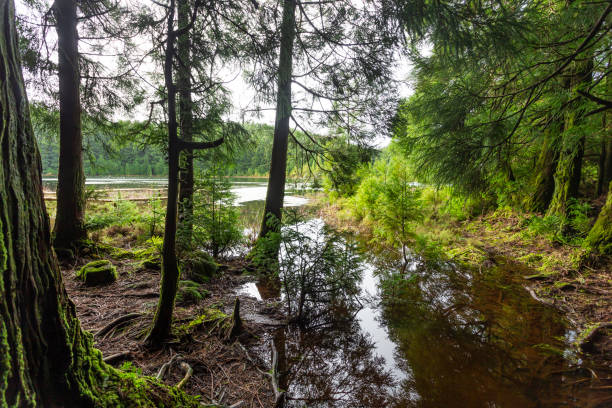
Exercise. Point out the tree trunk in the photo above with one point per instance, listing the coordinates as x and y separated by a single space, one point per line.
162 322
600 236
605 168
278 165
569 167
183 78
69 226
545 172
45 358
170 273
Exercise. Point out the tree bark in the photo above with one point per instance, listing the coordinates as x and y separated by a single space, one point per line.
69 226
569 167
162 322
183 78
545 172
278 165
600 236
45 358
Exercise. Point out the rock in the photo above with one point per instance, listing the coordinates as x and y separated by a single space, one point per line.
190 292
97 273
199 267
153 263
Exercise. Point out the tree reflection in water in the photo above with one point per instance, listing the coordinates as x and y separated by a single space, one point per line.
462 338
477 339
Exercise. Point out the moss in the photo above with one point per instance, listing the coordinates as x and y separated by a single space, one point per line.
98 272
153 263
600 236
199 267
210 316
190 292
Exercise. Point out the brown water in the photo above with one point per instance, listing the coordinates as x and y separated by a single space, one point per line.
439 336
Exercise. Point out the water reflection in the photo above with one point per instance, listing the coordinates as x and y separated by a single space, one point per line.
439 336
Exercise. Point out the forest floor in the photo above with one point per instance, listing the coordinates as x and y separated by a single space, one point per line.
561 275
224 372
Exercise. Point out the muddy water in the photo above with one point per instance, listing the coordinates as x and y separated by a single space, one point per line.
438 336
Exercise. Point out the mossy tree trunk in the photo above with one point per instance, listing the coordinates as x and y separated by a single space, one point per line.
545 172
569 167
278 164
605 165
162 322
45 358
183 79
69 226
600 236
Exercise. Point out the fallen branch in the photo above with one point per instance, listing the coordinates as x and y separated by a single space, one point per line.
117 322
279 396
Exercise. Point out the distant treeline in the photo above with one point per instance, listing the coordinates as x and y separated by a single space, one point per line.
105 156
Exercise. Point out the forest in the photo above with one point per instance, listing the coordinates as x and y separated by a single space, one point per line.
296 203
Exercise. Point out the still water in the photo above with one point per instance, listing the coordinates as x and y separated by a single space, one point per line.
437 336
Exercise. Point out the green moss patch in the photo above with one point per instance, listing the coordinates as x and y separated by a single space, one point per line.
190 292
98 273
199 267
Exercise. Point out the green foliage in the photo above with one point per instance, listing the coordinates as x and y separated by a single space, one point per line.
120 212
215 219
388 199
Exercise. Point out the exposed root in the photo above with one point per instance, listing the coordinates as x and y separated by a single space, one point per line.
117 357
116 323
164 368
279 395
188 373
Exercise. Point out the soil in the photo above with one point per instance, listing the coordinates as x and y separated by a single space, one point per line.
223 372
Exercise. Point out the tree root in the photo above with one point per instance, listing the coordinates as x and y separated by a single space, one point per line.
117 357
279 395
188 373
164 368
116 323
